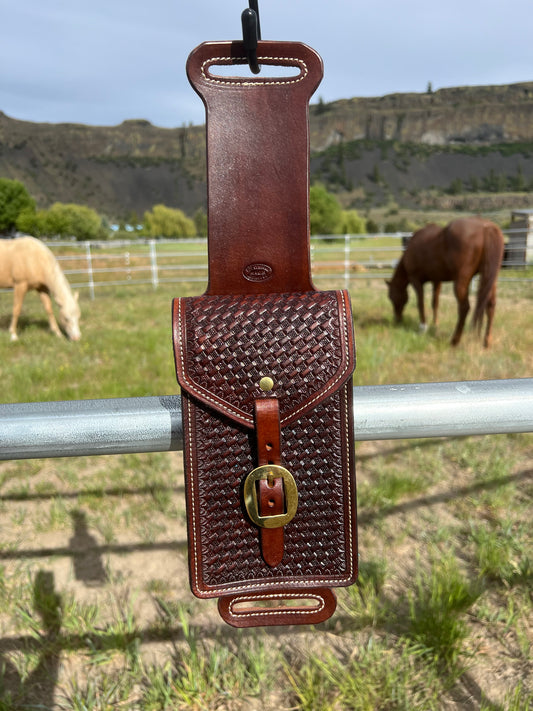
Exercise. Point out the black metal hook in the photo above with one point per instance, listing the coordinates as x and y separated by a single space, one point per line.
251 34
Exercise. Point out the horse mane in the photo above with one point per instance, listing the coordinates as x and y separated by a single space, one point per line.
399 277
59 285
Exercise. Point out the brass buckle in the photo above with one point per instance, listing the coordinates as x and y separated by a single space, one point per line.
270 471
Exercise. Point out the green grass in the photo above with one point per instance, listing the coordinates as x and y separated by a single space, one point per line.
437 604
95 610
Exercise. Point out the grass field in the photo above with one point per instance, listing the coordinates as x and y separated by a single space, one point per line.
95 608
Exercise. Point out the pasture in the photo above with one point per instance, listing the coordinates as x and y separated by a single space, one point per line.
95 609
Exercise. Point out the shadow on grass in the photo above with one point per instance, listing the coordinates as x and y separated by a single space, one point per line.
24 323
412 444
118 491
36 689
443 497
115 548
47 646
362 321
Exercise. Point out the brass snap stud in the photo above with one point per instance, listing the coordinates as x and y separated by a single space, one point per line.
266 384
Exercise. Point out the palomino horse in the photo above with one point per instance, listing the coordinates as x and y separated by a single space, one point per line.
457 252
26 263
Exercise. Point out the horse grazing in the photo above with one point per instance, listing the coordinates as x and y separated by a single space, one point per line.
25 264
457 252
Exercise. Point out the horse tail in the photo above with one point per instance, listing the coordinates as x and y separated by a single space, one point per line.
493 245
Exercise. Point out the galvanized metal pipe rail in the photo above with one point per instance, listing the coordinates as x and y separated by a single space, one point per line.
153 424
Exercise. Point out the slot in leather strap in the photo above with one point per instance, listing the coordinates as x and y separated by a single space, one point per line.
271 499
257 166
234 609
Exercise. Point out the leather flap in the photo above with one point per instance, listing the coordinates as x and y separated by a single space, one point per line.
225 345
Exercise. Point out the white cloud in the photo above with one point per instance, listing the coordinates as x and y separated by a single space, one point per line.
103 62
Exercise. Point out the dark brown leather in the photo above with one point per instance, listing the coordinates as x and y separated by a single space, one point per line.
223 346
257 166
271 494
261 317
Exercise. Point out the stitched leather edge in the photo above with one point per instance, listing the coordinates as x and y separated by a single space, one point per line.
290 61
257 616
201 590
211 399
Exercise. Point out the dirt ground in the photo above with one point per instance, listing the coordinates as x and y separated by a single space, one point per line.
115 572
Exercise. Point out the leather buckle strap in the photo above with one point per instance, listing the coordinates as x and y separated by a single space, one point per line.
271 494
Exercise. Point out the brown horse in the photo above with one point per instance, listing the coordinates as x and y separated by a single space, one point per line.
26 263
457 252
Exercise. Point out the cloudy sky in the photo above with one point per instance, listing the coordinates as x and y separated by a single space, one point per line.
103 61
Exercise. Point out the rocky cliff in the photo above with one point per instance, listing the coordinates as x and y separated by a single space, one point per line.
398 143
481 114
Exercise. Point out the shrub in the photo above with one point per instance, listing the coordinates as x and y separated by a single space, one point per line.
165 221
326 213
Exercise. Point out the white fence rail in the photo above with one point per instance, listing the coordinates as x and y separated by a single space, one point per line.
153 424
93 265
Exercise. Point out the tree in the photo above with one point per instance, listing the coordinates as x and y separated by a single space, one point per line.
352 223
376 175
200 221
325 212
518 182
321 106
474 184
30 221
63 220
372 226
70 220
14 199
166 221
456 187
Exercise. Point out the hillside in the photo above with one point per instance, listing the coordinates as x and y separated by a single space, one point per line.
410 147
473 115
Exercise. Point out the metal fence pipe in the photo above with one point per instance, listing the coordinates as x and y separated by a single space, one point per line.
450 409
153 424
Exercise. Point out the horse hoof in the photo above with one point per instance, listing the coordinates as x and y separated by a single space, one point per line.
422 328
14 337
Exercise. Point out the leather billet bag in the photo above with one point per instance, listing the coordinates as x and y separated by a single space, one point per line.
264 360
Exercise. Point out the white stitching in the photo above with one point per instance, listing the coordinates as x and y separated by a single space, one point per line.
192 471
279 610
349 496
215 592
225 407
324 393
256 82
229 409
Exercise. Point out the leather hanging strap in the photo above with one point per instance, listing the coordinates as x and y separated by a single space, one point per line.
257 166
271 498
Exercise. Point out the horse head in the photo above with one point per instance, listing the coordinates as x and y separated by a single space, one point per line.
69 317
398 296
